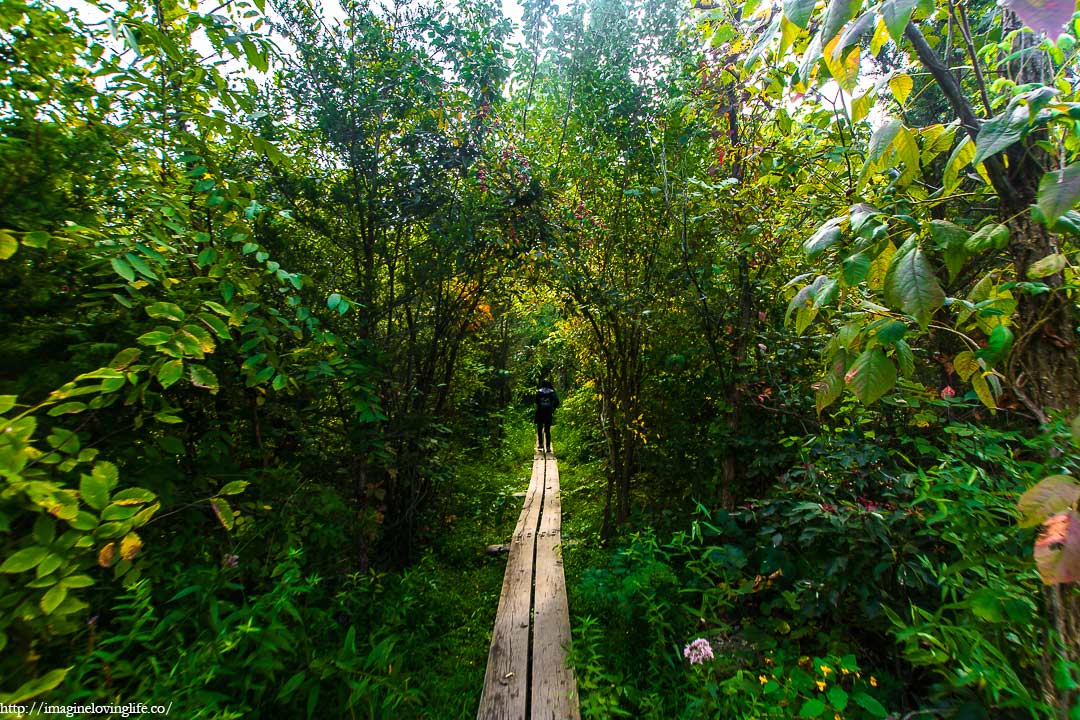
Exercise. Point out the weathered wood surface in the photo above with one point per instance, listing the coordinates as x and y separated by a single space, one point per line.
534 589
506 680
554 691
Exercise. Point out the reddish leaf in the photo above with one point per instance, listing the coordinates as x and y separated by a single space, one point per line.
1057 551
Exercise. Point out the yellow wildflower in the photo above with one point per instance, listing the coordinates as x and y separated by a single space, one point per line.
873 681
825 670
820 684
762 679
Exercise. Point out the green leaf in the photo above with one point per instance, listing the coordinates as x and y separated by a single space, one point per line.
1002 131
991 235
139 264
799 11
44 530
68 408
8 245
812 708
94 490
827 234
896 14
170 372
234 488
1049 265
910 284
166 310
839 13
7 402
871 376
891 331
831 386
52 599
35 687
868 703
204 377
1074 430
122 268
950 239
882 139
1059 191
997 345
154 337
37 239
855 269
77 581
905 358
133 496
1047 497
837 697
333 301
25 559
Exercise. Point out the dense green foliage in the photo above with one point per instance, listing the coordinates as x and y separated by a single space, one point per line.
276 281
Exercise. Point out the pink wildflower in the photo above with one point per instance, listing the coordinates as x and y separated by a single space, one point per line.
698 651
947 392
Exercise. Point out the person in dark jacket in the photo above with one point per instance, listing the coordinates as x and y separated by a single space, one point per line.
546 401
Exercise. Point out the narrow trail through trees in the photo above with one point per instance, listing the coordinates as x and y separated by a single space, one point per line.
527 676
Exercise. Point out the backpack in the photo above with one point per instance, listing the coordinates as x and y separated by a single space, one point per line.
545 400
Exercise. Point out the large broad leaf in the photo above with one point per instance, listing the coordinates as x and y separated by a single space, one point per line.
94 490
1057 551
896 14
1059 191
910 283
871 376
1001 131
170 372
963 154
882 139
840 11
1047 497
825 236
1047 266
1048 16
830 387
25 559
204 377
950 239
799 11
805 297
854 32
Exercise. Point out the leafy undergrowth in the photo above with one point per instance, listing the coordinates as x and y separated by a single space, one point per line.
867 584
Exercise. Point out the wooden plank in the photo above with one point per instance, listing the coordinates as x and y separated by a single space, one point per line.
506 679
554 690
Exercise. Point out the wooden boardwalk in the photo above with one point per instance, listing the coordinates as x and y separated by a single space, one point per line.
527 677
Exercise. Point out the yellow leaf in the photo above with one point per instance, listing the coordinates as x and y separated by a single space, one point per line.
860 106
982 389
881 36
965 364
901 87
107 555
130 546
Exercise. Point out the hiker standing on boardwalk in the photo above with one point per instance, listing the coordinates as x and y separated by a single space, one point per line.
546 402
